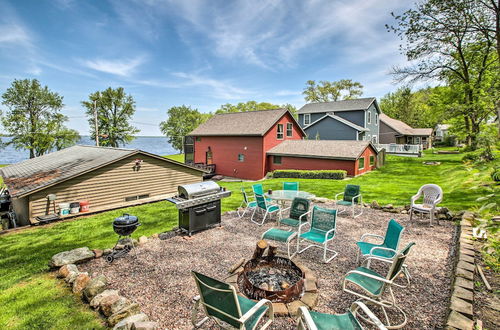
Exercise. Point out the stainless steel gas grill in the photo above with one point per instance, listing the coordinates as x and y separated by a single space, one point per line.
199 205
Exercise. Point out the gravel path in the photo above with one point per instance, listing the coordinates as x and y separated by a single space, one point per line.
160 281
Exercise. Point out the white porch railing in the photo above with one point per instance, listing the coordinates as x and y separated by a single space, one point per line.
392 148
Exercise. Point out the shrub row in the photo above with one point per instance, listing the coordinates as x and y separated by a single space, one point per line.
303 174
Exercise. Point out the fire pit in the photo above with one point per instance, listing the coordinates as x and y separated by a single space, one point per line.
274 278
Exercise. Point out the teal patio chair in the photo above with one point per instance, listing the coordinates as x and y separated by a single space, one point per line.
350 197
246 203
389 246
258 189
321 231
298 212
372 286
222 304
291 186
264 207
309 320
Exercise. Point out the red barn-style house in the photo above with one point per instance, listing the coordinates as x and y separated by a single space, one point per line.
247 145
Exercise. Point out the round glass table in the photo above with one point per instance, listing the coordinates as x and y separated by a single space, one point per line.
288 195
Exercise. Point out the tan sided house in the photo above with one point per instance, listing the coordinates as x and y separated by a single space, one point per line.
106 178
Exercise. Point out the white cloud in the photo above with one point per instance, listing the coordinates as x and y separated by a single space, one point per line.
219 89
120 67
14 34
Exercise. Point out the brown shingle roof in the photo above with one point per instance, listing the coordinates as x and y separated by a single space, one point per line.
250 123
41 172
403 128
333 149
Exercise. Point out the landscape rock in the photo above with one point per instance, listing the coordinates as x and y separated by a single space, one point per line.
388 207
94 287
66 269
98 253
126 323
166 235
74 256
96 301
142 240
320 200
154 236
80 282
113 304
404 212
71 277
129 310
145 325
375 205
127 241
107 252
468 215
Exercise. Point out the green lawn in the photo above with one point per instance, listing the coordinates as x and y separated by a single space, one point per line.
34 299
178 157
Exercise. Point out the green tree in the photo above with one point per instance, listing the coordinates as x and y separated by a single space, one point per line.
33 118
114 112
438 36
326 91
254 106
181 121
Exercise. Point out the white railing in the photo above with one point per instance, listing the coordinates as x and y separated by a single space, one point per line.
393 148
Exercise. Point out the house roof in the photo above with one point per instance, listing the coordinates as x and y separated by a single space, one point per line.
343 105
403 128
249 123
42 172
331 149
340 119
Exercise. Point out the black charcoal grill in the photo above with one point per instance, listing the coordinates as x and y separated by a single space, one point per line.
199 205
124 226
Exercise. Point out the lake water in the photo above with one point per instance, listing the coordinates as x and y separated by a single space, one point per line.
154 144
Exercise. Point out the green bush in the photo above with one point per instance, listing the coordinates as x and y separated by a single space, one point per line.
304 174
472 157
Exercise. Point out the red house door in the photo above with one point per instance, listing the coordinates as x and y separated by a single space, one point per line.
209 160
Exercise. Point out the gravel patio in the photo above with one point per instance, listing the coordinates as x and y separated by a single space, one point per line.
160 280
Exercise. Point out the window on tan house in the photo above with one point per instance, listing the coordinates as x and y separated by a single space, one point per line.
361 163
279 134
307 119
289 129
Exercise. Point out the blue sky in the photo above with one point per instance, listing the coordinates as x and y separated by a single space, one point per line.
198 53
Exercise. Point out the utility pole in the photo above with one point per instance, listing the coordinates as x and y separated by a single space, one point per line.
95 123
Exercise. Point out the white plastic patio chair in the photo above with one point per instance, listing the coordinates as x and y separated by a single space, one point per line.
432 195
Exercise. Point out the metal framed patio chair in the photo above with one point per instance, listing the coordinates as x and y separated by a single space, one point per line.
385 250
299 211
246 203
309 320
221 303
432 195
322 229
291 186
350 197
264 207
372 287
389 246
258 189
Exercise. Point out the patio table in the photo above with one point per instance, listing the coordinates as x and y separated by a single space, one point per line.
288 195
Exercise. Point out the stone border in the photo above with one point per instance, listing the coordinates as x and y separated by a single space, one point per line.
309 298
461 314
120 312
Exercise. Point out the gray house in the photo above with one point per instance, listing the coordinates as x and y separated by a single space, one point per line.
342 120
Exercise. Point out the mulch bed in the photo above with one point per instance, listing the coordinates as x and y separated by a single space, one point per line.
160 280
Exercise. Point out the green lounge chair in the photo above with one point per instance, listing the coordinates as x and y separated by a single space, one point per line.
298 212
374 286
246 203
309 320
291 186
350 197
258 189
221 303
264 207
321 231
388 248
